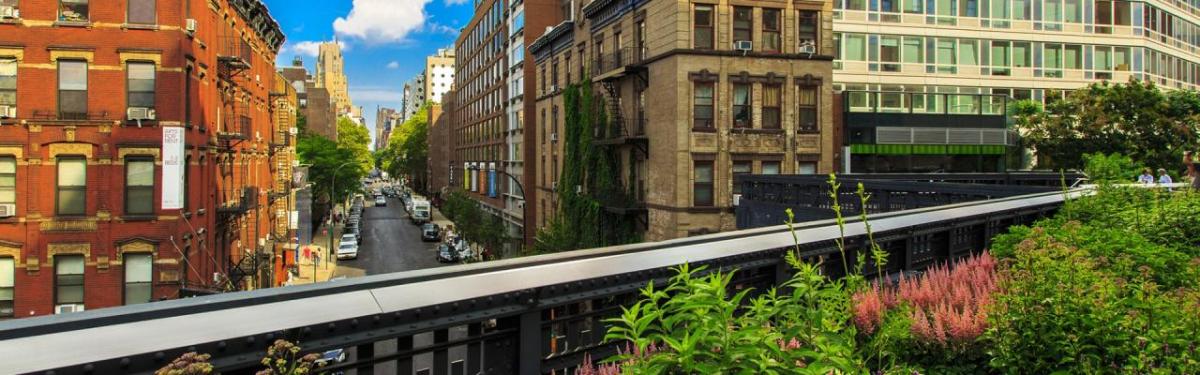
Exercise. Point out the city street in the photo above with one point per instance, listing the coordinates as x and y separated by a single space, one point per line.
390 244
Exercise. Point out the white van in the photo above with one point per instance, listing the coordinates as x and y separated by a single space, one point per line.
420 211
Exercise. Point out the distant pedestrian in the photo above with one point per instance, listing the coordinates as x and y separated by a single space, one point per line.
1147 177
1189 159
1165 179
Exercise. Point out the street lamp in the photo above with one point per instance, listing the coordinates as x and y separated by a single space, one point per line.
332 210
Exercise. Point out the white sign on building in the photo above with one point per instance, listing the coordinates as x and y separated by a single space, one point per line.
172 168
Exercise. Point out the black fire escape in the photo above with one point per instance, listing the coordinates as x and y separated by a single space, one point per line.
235 57
612 70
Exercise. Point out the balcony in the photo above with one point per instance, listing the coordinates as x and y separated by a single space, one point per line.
617 63
623 131
239 129
919 109
235 54
246 199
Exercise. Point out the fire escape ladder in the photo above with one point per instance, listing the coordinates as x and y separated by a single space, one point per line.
616 128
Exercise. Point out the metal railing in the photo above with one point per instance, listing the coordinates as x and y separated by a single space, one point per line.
618 58
531 315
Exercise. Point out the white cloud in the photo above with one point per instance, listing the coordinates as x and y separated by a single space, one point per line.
308 48
382 21
393 65
435 28
455 2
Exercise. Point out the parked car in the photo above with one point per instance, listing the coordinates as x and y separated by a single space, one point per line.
445 255
330 357
430 232
347 249
464 250
380 201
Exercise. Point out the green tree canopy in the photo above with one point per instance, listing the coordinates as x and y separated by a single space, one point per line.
356 139
407 151
1137 119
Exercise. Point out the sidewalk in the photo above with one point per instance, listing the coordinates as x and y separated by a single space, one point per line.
325 269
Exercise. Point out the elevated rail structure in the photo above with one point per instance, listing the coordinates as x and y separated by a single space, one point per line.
764 198
531 315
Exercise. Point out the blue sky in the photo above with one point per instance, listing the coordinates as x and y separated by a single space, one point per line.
385 41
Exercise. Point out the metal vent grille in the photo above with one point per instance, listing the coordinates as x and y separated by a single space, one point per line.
964 136
893 135
929 136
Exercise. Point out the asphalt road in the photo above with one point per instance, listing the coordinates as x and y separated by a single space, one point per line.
390 244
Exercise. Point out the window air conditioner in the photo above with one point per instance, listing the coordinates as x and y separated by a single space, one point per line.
554 186
553 88
808 47
9 12
139 113
554 137
190 26
743 45
65 309
8 111
8 210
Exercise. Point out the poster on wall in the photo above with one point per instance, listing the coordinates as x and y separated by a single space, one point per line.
491 180
172 167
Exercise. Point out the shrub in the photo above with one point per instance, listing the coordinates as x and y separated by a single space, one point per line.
1060 310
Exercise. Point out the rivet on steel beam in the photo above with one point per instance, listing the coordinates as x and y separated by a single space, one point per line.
159 356
249 340
51 372
331 326
354 322
221 345
376 319
125 362
89 367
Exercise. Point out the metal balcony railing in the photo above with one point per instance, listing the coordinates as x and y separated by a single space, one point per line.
616 59
531 315
246 199
235 53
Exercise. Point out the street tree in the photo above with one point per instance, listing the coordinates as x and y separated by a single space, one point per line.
1136 119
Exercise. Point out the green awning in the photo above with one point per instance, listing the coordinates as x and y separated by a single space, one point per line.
889 149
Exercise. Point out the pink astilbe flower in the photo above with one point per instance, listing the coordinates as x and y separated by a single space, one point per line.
868 309
588 367
948 304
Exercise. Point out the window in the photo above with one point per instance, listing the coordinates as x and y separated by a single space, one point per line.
68 281
73 10
141 12
1052 60
7 275
72 89
1073 10
771 106
946 56
1001 58
8 180
914 6
968 52
740 168
889 53
140 83
807 112
968 8
807 33
702 111
139 272
702 32
72 186
856 47
770 167
770 32
741 106
913 50
139 186
743 24
8 82
702 188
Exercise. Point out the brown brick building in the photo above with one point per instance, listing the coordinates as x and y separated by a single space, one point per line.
315 103
695 93
90 89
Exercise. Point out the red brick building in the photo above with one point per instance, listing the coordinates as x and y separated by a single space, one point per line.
87 91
